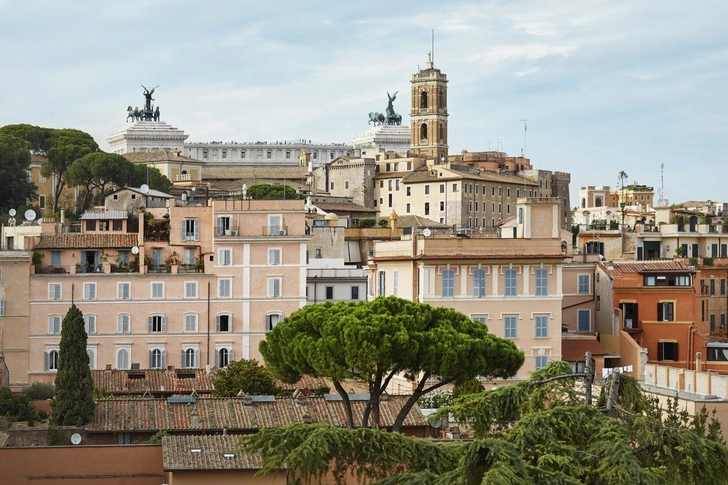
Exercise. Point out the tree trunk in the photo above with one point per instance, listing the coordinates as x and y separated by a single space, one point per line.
418 392
347 404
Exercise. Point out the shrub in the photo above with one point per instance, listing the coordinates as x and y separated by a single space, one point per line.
41 390
383 223
367 223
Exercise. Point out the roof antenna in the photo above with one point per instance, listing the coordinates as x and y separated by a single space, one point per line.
433 47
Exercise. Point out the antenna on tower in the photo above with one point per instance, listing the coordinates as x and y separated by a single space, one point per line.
525 130
433 46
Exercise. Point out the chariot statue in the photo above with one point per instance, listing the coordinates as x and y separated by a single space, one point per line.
148 112
390 118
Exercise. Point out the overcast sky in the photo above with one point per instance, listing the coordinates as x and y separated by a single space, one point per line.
605 85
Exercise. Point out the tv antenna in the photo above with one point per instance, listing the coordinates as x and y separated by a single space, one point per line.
525 130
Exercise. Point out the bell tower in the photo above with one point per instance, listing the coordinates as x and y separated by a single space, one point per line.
428 117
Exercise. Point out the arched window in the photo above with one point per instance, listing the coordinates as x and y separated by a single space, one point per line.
423 99
271 320
52 360
223 358
189 358
156 359
122 359
423 131
583 203
441 133
598 202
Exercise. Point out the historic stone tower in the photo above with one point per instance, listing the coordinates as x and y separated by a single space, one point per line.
428 118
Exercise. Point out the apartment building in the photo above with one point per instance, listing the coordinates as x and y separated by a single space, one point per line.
14 271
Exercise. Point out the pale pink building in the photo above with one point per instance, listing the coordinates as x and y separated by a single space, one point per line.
191 285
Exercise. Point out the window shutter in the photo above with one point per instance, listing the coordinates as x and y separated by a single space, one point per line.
660 351
217 323
217 358
164 359
45 361
220 229
196 225
184 234
2 308
150 324
197 358
182 358
164 324
231 354
659 314
151 359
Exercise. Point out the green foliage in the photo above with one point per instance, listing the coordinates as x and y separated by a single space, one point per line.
40 391
243 375
14 163
100 393
273 192
16 407
372 341
560 440
436 399
141 174
367 222
468 386
383 223
73 403
155 439
57 436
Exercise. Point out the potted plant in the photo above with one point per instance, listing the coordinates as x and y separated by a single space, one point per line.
199 265
679 251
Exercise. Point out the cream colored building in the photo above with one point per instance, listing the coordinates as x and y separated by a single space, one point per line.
512 284
14 271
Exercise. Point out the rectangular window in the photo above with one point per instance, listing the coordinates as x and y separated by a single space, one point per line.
190 289
354 292
271 320
409 191
223 323
479 282
122 258
442 206
2 307
54 291
157 290
123 291
89 324
225 257
190 322
583 318
274 256
190 230
274 286
427 208
667 351
427 190
542 326
665 312
55 258
157 324
583 284
223 226
123 323
542 282
395 282
541 361
117 225
89 291
275 225
91 225
712 323
224 287
481 318
509 327
54 324
448 282
712 287
329 292
381 282
442 188
722 287
189 256
408 208
510 282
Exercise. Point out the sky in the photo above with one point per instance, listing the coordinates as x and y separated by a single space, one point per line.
605 86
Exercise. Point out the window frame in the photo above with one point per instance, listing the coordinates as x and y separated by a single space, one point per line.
188 286
583 284
275 256
480 285
579 312
52 287
119 292
152 286
542 282
89 323
510 282
269 317
54 322
510 327
541 326
227 259
222 283
123 323
89 291
190 322
275 287
448 283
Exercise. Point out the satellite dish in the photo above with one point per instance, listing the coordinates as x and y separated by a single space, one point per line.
434 422
144 188
30 215
135 250
75 438
426 232
12 212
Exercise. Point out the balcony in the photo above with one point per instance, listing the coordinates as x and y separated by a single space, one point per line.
275 231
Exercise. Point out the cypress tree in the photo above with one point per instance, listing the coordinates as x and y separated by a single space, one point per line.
73 404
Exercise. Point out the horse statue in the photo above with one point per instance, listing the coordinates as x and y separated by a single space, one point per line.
375 117
134 113
130 113
395 120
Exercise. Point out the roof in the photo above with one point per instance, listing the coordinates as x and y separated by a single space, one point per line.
258 172
148 193
99 241
618 268
159 156
236 185
343 207
464 172
418 221
216 452
152 414
106 214
4 438
574 349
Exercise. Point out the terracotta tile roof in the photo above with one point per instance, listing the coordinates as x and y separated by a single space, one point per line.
159 156
98 241
618 268
255 173
573 349
462 172
417 221
216 452
343 207
151 414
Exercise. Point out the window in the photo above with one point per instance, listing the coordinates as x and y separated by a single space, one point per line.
274 286
157 290
346 185
222 228
427 190
91 352
189 256
542 282
224 287
55 258
225 257
223 323
722 287
275 224
268 154
408 208
224 356
89 323
329 292
541 361
54 291
510 281
51 359
190 289
381 282
157 324
427 208
190 322
271 320
583 284
123 323
480 318
409 191
712 287
442 188
190 357
123 357
122 258
442 206
2 307
509 327
712 322
89 291
354 292
395 282
54 324
242 153
667 351
666 312
190 230
117 225
274 256
542 326
123 291
91 225
157 358
583 318
103 225
448 282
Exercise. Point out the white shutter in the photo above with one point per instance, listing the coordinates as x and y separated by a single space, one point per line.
184 228
182 358
196 225
220 227
164 324
217 323
231 355
217 358
151 359
45 360
2 308
150 324
164 359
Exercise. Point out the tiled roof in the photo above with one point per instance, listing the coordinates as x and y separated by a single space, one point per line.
216 452
574 349
423 175
618 268
149 192
108 214
256 173
159 156
417 221
152 414
236 185
343 207
98 241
